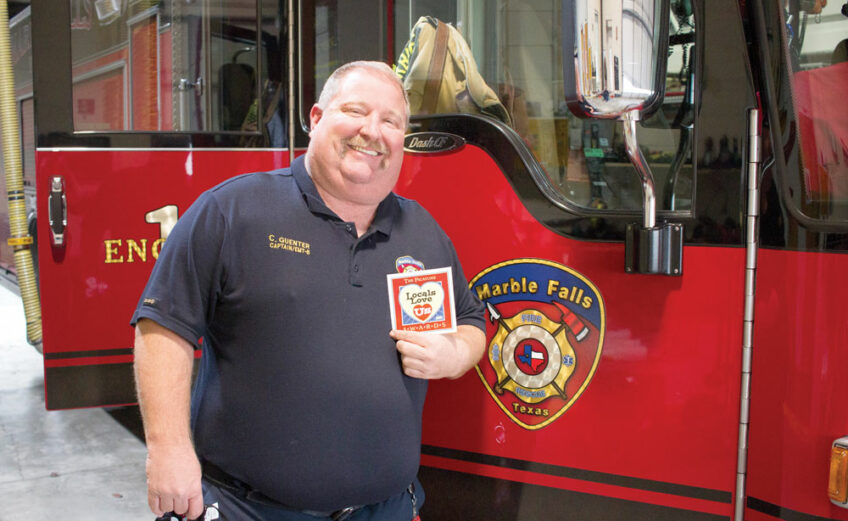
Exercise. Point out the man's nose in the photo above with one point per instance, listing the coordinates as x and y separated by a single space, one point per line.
370 128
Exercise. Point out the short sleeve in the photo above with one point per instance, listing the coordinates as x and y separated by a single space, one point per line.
469 309
187 278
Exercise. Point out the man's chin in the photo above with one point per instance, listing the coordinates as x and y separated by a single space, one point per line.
365 182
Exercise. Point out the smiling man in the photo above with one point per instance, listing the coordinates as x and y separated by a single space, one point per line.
306 406
356 141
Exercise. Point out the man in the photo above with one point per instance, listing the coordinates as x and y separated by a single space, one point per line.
306 407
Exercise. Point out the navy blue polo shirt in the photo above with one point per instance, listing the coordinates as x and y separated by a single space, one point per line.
300 391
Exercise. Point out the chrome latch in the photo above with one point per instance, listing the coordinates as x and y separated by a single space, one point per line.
184 84
57 210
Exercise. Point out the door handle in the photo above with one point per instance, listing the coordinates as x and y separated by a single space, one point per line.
57 211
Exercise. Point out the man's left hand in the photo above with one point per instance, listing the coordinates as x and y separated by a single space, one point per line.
433 355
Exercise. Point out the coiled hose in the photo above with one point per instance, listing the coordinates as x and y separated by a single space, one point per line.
19 238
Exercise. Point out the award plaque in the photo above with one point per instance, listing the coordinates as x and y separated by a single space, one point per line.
422 301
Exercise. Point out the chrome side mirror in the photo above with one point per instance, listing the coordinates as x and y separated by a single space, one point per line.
617 63
614 58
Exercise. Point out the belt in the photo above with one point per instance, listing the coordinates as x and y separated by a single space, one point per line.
245 491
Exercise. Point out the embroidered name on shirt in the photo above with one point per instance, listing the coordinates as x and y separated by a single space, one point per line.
285 243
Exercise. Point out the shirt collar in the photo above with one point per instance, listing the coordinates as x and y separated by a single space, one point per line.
384 217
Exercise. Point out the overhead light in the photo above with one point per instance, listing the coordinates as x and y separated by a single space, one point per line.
107 10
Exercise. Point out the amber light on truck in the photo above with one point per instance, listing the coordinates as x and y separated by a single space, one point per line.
838 483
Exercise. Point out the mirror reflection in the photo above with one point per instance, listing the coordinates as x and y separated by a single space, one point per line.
615 42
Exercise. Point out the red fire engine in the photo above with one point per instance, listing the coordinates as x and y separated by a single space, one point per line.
688 363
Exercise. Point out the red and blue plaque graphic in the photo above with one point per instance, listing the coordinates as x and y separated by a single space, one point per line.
545 333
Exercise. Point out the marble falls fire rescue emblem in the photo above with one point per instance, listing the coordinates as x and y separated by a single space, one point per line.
545 334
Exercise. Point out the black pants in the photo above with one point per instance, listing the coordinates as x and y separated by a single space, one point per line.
396 508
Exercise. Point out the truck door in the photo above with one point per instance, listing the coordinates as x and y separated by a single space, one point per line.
140 106
602 395
799 351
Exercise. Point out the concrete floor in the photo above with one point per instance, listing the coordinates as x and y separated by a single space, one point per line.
68 465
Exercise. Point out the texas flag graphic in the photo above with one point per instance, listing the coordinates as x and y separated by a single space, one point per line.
532 357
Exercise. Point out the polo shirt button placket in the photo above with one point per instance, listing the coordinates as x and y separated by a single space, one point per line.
353 265
355 278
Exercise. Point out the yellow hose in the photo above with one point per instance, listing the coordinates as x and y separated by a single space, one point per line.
19 238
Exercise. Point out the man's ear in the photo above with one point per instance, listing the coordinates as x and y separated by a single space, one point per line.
315 115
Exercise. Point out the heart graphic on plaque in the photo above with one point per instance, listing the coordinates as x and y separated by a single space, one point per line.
422 302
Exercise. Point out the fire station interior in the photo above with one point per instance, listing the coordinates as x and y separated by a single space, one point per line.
203 70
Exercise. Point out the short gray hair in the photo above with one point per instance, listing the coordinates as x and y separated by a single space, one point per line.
333 83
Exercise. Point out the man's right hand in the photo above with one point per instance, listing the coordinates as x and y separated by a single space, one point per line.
173 481
163 364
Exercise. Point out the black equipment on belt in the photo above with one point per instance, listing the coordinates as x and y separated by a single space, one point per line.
170 516
244 491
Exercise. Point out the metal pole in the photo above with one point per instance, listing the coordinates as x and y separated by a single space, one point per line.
751 245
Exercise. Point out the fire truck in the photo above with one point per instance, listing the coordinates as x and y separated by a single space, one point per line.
662 281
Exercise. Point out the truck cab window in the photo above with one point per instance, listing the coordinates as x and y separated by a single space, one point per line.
816 43
505 61
341 31
167 65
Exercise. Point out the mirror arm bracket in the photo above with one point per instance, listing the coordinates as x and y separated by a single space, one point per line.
649 249
649 200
